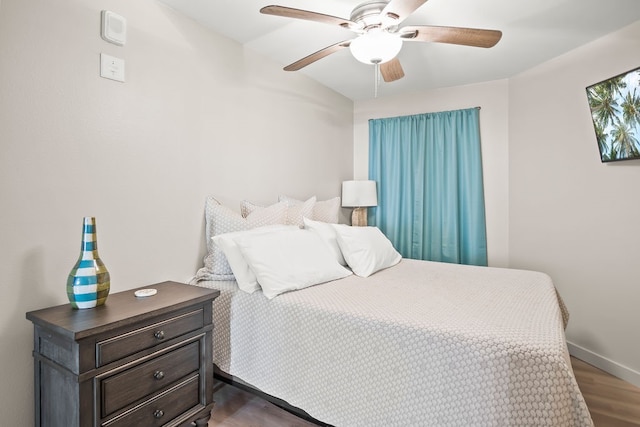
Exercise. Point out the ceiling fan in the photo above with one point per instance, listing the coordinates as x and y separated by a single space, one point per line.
379 37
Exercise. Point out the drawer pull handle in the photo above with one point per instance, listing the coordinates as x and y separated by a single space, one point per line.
159 335
158 375
158 413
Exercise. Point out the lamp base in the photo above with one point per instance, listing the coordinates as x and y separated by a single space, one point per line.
359 217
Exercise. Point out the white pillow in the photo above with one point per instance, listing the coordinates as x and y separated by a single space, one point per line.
289 260
325 211
329 236
366 249
245 278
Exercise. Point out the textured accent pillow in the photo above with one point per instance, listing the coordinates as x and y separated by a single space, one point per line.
293 212
324 211
299 210
328 235
366 249
243 274
289 260
327 210
246 207
220 219
264 215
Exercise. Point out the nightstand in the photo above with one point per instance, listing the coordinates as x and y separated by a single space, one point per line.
131 362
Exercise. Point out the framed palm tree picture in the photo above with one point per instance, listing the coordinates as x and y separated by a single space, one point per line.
615 110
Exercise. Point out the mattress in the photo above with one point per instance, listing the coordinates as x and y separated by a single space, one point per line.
418 344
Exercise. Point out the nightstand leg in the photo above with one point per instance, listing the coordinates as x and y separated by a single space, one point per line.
203 422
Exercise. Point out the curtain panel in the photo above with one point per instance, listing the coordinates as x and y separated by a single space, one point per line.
428 169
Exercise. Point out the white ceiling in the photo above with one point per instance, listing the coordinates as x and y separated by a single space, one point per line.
533 31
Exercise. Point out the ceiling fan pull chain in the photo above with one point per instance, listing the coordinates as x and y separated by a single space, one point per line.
376 78
376 68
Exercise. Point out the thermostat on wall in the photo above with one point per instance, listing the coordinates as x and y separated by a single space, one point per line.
114 28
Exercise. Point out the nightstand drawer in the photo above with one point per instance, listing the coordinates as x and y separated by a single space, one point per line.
134 384
140 339
164 408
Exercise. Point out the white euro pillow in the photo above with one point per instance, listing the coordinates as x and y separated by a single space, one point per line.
245 278
328 235
366 249
289 260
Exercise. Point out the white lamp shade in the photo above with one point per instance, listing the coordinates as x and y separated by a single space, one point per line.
359 194
375 47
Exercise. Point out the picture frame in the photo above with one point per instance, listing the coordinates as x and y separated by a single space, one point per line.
615 112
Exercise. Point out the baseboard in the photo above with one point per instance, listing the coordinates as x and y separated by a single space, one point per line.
607 365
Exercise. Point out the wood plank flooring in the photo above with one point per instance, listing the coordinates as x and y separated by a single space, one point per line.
611 401
237 408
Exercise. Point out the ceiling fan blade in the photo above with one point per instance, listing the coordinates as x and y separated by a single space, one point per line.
399 10
290 12
454 35
317 55
391 70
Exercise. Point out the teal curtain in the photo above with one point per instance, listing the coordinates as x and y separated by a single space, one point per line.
428 169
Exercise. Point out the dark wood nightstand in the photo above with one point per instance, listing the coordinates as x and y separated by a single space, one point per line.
131 362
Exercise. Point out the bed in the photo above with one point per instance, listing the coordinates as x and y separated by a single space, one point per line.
416 343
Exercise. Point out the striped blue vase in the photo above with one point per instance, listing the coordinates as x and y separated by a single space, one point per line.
89 282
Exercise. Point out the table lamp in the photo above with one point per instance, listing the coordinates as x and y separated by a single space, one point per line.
359 195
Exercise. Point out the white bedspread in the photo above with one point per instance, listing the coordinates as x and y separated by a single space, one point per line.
419 344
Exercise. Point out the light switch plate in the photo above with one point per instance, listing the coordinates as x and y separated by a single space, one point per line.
111 67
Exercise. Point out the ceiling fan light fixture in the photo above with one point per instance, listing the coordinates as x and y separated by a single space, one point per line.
376 47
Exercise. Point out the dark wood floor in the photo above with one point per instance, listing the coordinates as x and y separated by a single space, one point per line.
612 403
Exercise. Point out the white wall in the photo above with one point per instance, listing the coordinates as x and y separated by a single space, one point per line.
492 98
197 115
571 215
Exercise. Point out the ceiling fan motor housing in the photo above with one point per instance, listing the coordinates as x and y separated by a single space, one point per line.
368 14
